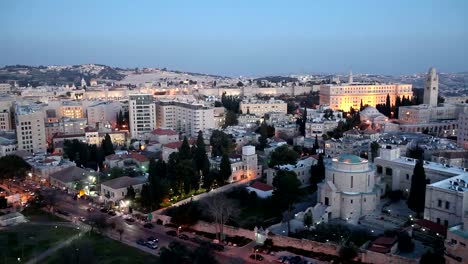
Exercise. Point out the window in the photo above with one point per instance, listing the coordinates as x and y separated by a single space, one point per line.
439 203
379 169
326 201
447 205
352 178
368 180
388 171
407 176
445 222
438 221
351 201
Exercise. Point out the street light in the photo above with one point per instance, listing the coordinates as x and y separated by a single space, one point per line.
256 251
178 230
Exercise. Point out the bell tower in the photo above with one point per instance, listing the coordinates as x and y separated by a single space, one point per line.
431 91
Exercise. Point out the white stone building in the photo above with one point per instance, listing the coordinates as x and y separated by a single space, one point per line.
302 168
103 111
30 129
142 113
462 132
350 189
163 136
243 166
185 117
456 243
114 190
261 107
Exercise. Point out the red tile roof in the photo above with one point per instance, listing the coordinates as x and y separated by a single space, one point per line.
261 186
162 131
434 227
385 241
178 144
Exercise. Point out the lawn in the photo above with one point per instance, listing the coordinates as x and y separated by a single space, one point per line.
94 248
35 214
27 240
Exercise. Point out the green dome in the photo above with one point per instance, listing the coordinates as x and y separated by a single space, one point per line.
349 158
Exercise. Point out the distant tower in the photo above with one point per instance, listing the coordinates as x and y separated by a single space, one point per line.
431 91
83 83
350 77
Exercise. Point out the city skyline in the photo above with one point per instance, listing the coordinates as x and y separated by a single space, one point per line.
242 38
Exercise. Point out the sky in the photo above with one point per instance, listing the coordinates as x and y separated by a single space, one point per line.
243 37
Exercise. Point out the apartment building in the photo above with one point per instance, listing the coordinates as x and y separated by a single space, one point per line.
261 107
71 109
462 132
184 117
243 166
103 111
30 129
142 112
302 168
5 88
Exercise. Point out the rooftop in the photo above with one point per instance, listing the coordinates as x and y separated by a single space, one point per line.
70 174
162 131
123 182
350 158
261 186
132 155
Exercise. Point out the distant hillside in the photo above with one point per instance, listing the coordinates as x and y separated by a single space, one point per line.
57 75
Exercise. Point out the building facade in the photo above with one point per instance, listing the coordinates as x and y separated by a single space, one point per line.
261 107
30 129
345 96
184 117
142 112
350 189
244 166
462 132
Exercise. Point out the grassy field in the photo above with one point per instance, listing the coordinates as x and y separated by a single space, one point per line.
27 240
94 248
35 214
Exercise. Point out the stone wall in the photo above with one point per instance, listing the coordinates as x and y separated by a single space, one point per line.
374 257
304 244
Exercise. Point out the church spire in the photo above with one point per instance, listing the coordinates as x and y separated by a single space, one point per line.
350 77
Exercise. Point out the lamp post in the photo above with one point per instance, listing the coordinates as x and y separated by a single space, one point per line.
256 251
178 231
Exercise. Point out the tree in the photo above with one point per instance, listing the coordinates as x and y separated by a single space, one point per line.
120 230
130 193
264 135
415 152
188 178
283 155
316 145
221 209
175 253
98 221
404 242
308 219
203 255
107 146
225 169
184 150
145 196
348 251
417 193
186 214
286 191
202 163
12 166
230 119
50 199
374 146
221 143
431 257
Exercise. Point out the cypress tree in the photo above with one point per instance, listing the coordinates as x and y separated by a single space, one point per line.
225 168
417 193
184 150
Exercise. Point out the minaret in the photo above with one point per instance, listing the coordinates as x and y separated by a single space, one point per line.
431 91
350 77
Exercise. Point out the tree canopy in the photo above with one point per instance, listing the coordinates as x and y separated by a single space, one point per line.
12 166
283 155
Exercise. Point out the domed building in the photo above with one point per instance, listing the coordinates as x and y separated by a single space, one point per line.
350 189
372 117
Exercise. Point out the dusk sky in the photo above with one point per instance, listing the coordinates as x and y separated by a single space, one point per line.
249 37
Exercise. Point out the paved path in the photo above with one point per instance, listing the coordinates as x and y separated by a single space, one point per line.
83 227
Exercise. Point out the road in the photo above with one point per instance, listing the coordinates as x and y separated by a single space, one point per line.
135 230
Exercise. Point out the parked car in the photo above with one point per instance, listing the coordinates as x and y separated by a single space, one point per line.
152 245
148 225
141 242
295 260
282 259
152 239
130 220
197 240
183 237
217 247
104 210
171 233
257 257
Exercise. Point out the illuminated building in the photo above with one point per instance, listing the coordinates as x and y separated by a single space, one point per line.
347 95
